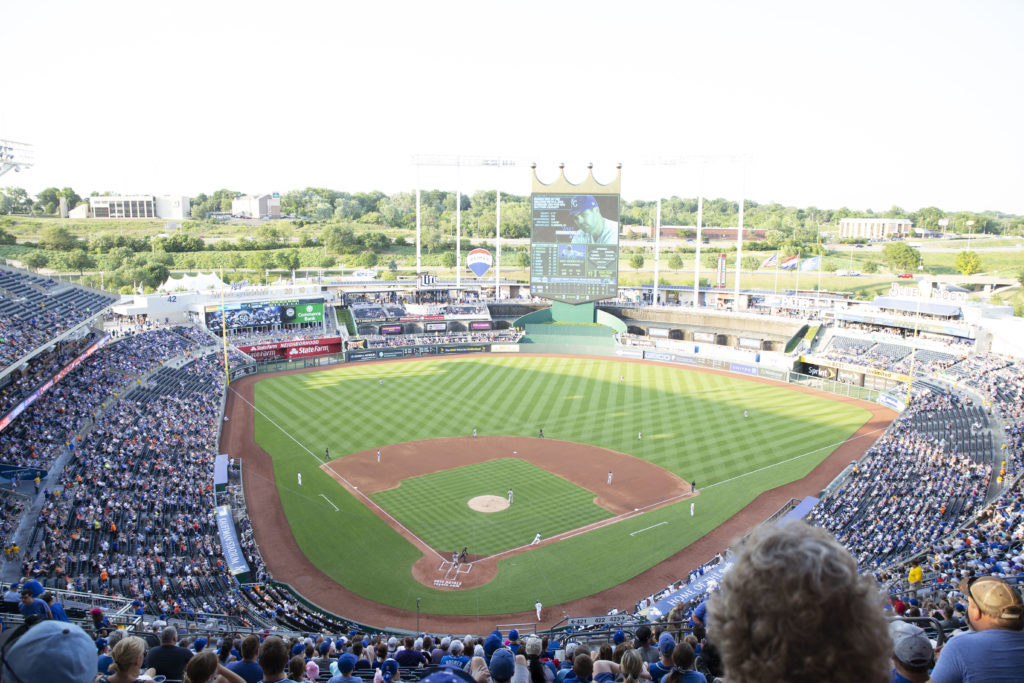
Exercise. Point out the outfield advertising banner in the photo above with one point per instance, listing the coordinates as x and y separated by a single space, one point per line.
229 541
743 369
260 313
356 355
780 375
289 350
574 247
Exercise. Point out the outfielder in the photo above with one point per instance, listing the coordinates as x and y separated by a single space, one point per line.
536 539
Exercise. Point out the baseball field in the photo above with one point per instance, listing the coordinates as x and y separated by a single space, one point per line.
367 524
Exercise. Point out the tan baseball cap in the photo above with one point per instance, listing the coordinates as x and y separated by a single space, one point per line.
994 597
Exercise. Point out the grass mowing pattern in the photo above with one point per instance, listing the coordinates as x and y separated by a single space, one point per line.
692 422
434 506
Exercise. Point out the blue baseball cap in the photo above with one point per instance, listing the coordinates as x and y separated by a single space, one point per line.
346 663
581 203
503 665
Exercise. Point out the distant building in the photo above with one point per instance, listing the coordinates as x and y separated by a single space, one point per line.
257 206
139 206
875 228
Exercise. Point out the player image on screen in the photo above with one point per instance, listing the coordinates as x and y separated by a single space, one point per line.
593 228
574 254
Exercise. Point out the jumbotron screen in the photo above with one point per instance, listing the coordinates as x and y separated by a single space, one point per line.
260 313
574 247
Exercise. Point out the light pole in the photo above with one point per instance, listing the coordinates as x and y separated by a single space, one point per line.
970 233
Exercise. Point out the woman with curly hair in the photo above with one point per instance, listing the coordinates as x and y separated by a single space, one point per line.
794 608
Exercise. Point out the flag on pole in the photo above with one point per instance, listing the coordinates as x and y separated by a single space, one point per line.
770 261
789 263
813 263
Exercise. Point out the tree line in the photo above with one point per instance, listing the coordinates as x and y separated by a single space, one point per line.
438 212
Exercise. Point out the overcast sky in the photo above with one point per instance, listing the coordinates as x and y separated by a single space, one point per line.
862 104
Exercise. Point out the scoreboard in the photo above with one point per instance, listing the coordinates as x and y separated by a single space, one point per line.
574 247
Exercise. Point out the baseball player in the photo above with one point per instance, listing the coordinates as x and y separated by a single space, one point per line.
538 608
378 455
300 478
510 496
609 478
746 414
536 539
474 432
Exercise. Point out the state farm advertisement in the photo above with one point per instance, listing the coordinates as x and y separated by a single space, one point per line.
290 350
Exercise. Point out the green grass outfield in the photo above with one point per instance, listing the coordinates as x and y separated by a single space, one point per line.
692 422
434 506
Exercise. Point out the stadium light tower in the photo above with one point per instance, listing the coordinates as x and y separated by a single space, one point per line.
419 160
15 156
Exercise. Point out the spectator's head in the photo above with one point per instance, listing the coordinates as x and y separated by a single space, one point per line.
128 655
250 647
202 667
297 668
273 656
643 635
503 665
455 648
605 652
513 635
619 637
491 645
794 601
533 647
169 636
993 603
50 650
666 644
199 644
911 651
346 663
582 665
631 665
389 670
313 671
114 638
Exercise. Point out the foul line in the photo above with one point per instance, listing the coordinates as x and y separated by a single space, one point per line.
282 429
369 501
640 531
329 502
795 457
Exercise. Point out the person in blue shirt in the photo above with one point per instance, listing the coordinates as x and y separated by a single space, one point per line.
32 606
248 668
56 609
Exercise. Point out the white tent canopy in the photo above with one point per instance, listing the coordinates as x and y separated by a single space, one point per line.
200 282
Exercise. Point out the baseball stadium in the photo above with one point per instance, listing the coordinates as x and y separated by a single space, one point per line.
353 461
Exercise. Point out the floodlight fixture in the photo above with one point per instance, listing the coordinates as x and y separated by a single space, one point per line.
15 156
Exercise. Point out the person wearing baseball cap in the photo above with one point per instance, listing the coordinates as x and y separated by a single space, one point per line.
47 651
993 650
592 227
912 654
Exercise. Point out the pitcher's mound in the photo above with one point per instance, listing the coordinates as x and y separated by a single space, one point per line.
488 503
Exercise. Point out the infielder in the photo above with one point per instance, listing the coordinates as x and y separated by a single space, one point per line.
536 539
609 478
474 432
378 455
510 496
